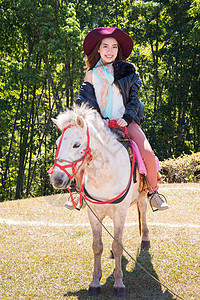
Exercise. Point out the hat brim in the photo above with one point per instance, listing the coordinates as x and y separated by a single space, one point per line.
97 34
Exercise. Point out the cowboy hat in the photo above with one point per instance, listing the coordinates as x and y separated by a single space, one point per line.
97 34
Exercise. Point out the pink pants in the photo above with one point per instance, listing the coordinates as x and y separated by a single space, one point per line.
148 156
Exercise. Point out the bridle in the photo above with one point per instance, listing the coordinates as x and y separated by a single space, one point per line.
75 169
72 165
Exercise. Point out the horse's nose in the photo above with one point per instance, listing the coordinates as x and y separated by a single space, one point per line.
58 181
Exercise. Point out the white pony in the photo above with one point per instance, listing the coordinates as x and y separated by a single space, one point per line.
87 146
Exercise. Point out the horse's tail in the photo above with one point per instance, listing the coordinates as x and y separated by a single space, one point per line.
139 219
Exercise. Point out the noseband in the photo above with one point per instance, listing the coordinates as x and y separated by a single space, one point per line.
72 165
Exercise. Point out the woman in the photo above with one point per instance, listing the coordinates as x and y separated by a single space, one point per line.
111 86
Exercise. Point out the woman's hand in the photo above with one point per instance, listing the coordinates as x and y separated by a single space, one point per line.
106 121
121 122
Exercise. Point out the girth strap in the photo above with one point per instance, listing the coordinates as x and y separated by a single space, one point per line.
118 200
134 171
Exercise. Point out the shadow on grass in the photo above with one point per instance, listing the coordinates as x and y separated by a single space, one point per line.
139 285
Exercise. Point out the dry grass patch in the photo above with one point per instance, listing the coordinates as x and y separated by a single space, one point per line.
55 262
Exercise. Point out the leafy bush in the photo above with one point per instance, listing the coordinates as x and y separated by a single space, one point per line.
185 168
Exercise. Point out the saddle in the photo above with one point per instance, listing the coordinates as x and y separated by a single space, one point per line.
126 142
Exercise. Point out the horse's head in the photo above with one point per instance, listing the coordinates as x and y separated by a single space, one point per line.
73 150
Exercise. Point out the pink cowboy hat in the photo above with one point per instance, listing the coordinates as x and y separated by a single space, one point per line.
96 35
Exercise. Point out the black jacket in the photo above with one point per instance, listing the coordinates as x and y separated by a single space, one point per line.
128 81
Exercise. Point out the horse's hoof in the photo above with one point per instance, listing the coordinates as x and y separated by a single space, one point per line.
145 245
119 292
94 291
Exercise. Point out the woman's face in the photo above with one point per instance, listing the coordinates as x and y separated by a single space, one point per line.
108 50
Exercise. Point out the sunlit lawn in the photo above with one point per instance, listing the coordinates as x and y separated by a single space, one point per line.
54 259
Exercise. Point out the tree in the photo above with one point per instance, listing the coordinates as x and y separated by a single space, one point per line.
168 60
42 68
42 71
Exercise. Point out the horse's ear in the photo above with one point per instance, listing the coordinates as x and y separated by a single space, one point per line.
80 122
54 120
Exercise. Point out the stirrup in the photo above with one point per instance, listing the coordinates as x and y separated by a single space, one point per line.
162 197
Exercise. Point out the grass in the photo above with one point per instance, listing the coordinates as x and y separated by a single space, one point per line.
39 261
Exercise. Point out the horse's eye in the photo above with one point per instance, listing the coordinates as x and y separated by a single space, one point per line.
76 145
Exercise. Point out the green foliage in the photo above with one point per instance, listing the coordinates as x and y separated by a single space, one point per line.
42 68
167 56
185 168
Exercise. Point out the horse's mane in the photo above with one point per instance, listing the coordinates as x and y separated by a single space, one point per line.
88 114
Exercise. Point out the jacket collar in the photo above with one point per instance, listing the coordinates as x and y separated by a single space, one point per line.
123 69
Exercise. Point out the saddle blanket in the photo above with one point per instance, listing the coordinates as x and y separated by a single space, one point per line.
141 165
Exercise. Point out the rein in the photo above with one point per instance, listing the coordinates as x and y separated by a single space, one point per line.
73 166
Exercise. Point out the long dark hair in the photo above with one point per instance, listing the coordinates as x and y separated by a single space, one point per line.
94 56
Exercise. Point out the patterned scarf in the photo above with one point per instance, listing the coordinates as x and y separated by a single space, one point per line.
106 75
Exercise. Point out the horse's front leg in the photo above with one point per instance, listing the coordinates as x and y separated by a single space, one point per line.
144 231
95 287
119 287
